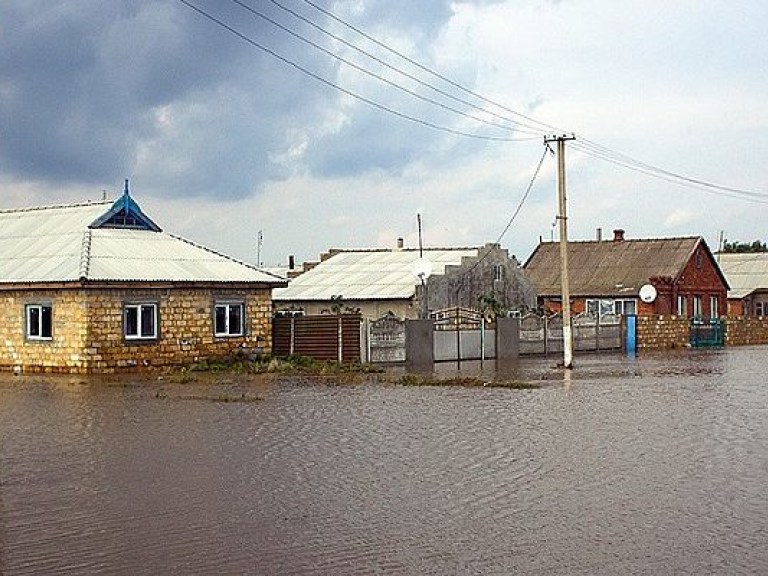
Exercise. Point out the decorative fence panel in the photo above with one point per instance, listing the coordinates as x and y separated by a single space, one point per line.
322 337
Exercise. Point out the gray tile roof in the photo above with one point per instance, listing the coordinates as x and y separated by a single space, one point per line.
746 273
608 268
56 244
369 274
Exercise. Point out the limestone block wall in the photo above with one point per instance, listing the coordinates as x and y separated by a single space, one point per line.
65 350
186 331
743 330
88 328
662 332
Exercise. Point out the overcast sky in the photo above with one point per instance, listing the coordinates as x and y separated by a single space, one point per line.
227 132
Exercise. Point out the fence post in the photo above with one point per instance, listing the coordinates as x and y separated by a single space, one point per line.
292 345
419 344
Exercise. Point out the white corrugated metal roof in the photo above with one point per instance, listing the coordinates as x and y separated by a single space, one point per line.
55 244
745 272
368 274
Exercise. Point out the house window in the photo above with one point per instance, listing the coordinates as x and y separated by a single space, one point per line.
599 308
39 322
626 307
697 310
140 321
759 309
699 260
714 307
228 319
498 272
682 309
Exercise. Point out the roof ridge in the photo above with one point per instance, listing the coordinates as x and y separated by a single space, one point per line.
85 254
55 206
221 254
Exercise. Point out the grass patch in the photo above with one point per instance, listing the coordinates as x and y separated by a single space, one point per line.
241 398
465 382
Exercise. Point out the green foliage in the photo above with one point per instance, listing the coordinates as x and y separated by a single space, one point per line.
491 307
744 247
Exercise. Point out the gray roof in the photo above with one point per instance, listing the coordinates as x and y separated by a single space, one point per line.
58 244
609 268
746 272
368 274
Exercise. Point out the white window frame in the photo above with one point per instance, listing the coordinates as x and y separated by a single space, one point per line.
697 306
714 307
138 308
620 306
38 326
227 307
599 307
682 305
498 272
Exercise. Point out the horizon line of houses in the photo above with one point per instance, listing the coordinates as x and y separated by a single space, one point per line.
99 287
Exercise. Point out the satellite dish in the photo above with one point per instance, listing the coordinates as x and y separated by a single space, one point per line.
422 269
647 293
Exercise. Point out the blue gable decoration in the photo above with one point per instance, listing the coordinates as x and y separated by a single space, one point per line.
125 213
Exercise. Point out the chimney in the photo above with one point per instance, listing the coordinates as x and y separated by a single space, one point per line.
599 234
400 243
291 262
618 235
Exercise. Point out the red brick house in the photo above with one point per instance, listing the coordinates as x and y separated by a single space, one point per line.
606 277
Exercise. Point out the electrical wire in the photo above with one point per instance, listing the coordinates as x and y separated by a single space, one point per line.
521 127
340 88
365 70
591 148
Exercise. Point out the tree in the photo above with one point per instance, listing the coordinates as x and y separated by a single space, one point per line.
743 247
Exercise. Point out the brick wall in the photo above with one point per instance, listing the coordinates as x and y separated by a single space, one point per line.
742 330
88 329
662 332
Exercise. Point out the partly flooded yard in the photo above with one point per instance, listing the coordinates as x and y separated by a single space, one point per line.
647 465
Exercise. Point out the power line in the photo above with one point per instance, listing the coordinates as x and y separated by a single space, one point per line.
340 88
522 127
588 147
362 69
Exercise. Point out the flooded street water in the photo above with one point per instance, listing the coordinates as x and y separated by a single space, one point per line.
653 465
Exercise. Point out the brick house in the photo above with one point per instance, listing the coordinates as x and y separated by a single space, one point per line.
99 287
606 277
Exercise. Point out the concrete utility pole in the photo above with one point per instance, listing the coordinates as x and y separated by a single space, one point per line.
563 219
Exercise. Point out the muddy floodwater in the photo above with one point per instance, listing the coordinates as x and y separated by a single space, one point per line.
653 465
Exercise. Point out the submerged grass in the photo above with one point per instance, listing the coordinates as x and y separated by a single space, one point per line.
464 381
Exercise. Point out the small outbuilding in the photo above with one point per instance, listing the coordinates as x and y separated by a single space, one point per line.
99 287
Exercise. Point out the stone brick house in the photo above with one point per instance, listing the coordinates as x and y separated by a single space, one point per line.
384 282
606 277
99 287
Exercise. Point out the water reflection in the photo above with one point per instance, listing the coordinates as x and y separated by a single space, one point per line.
653 464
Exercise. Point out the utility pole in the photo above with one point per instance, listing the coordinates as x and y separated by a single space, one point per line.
562 217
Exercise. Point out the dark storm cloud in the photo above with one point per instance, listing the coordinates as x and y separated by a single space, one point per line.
93 91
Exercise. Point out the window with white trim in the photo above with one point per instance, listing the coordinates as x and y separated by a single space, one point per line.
605 307
140 321
39 321
697 307
681 306
498 272
714 307
228 319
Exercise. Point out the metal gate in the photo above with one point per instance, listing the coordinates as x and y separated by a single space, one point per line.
707 332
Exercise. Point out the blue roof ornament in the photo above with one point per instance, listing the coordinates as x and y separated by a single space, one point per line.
125 213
